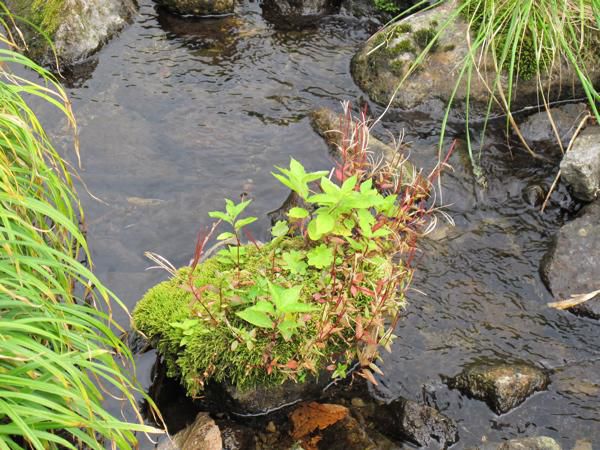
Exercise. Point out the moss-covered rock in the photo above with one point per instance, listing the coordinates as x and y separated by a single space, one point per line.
77 28
381 64
221 347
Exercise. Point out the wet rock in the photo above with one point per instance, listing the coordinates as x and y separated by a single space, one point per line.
203 434
583 444
236 436
378 68
262 400
198 7
580 167
327 124
530 443
297 12
78 30
346 434
408 420
501 385
537 129
535 194
572 264
292 201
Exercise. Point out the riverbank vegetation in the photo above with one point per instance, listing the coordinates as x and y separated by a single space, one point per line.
59 354
325 293
518 41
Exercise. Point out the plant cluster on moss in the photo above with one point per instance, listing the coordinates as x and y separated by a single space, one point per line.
326 291
388 6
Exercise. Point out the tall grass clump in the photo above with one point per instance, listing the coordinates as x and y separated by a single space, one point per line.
59 355
522 40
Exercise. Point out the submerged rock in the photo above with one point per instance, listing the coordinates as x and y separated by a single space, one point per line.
262 400
298 12
383 61
501 385
537 129
580 167
76 27
203 434
198 7
572 264
408 420
530 443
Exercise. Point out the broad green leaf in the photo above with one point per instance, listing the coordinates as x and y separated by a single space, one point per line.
320 257
294 261
312 231
220 215
299 308
298 213
264 306
225 236
280 229
324 222
243 222
256 318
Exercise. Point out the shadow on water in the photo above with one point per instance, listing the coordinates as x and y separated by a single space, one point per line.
179 114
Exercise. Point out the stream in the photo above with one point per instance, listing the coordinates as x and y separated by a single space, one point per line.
175 115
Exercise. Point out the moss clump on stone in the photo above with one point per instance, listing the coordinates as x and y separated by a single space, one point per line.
196 349
423 37
404 46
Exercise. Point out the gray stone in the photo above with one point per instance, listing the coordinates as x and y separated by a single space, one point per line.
502 386
529 443
294 12
203 434
85 25
537 129
262 400
199 7
378 69
572 264
425 426
580 167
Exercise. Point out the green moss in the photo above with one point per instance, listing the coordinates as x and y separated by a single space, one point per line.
404 46
46 15
423 37
397 67
209 350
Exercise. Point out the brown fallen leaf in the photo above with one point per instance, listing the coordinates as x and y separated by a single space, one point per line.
309 417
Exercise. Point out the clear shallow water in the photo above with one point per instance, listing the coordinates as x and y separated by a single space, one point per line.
179 114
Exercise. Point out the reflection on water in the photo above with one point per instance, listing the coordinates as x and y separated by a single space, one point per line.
179 114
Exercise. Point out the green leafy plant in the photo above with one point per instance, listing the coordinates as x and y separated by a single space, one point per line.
326 291
59 354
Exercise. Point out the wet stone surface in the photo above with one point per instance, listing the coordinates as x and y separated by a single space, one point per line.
502 386
530 443
572 265
422 425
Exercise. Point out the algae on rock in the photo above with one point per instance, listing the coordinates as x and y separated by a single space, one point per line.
77 28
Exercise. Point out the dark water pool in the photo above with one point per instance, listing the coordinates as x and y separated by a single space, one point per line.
178 114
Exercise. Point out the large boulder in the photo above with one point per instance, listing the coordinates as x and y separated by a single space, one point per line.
572 264
76 27
502 386
540 130
382 62
580 167
199 7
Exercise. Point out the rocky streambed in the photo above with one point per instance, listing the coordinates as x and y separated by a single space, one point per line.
176 113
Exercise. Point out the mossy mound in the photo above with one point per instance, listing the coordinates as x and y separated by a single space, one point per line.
225 348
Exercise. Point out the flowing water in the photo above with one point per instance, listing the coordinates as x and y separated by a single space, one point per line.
176 115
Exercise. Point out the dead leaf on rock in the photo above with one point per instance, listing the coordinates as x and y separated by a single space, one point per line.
309 417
